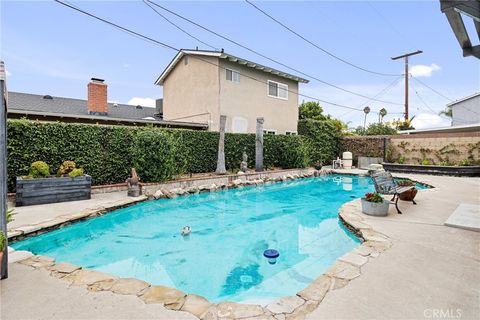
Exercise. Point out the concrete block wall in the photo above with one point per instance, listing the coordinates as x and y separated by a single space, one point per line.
436 148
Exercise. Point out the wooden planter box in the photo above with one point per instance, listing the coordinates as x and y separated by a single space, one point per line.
51 190
470 171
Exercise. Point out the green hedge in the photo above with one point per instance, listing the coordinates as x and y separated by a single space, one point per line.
321 140
108 152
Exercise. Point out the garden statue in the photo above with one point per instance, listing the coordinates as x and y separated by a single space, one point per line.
244 164
133 183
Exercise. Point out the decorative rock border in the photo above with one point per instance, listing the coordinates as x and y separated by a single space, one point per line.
345 269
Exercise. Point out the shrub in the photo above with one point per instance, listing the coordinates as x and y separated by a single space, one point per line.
10 213
444 163
76 172
425 162
401 160
39 169
153 155
3 241
66 167
108 153
465 163
321 140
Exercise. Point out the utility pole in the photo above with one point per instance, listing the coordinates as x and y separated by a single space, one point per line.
405 56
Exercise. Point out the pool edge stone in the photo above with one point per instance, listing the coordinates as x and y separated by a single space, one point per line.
305 301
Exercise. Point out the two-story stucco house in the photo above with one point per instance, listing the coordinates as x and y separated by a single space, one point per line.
199 86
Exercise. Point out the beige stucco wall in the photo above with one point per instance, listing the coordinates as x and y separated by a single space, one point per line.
248 99
435 148
201 87
191 89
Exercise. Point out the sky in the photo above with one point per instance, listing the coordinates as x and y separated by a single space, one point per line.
51 49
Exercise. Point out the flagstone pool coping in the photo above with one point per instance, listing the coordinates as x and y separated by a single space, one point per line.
344 270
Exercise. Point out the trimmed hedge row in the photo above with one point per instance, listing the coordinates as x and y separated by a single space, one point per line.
108 152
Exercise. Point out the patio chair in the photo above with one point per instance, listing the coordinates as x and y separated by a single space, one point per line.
385 184
338 163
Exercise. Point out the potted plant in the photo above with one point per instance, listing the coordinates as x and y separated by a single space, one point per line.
408 195
373 204
39 187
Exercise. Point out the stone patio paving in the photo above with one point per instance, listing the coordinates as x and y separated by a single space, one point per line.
429 267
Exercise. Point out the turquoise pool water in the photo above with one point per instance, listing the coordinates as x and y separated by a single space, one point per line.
222 259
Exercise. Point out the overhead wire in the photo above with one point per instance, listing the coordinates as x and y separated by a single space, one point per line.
165 45
179 28
265 56
263 11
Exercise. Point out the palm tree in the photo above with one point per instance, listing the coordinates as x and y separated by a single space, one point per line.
382 113
366 110
447 112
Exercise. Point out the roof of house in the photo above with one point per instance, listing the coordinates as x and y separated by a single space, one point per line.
463 128
52 106
451 104
223 55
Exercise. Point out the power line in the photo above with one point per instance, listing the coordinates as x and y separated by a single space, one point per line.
151 40
388 22
384 90
264 56
425 85
317 46
421 99
178 27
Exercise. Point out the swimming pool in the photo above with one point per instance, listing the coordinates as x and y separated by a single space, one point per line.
222 258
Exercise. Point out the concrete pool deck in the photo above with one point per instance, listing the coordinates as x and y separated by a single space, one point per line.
430 268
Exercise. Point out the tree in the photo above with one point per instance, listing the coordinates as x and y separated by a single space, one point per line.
313 110
382 113
310 110
366 110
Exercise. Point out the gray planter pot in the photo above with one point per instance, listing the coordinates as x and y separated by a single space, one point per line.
52 189
375 209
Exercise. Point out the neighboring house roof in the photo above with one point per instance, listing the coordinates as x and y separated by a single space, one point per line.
463 128
451 104
223 55
35 104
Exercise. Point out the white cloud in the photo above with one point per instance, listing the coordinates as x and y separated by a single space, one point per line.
421 70
429 120
145 102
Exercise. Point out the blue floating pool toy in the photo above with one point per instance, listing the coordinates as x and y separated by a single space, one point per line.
271 255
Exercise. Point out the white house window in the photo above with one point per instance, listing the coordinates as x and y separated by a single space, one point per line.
291 133
233 75
269 131
277 90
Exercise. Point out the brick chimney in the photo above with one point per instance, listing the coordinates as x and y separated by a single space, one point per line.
97 97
